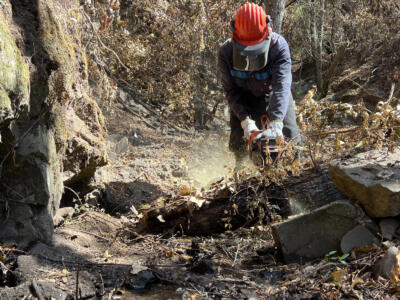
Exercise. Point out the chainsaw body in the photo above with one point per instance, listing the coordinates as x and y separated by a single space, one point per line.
262 151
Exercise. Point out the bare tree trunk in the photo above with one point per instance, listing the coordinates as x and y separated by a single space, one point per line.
320 44
200 106
331 71
317 38
276 9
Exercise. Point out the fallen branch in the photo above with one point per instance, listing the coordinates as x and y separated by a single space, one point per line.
236 254
87 263
95 235
347 130
75 193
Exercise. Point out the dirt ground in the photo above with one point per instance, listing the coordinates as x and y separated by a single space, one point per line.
97 252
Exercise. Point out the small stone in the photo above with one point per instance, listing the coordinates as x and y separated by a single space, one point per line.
384 266
140 280
122 146
273 276
388 228
357 237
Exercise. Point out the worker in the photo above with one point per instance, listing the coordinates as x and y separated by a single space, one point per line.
255 67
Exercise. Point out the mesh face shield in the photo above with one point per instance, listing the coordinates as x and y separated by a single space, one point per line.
250 58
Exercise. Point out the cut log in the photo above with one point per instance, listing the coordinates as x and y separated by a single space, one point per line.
251 202
228 210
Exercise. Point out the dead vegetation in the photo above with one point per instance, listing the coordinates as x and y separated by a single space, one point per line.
215 242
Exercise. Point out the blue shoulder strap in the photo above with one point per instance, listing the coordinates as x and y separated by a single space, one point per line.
246 75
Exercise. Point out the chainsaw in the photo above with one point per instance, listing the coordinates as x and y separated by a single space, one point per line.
262 150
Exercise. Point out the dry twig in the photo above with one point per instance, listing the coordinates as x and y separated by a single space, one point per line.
101 42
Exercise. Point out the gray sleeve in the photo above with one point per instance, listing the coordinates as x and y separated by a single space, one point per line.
281 80
236 103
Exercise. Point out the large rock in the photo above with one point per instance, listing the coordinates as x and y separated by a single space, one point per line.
372 179
52 132
309 236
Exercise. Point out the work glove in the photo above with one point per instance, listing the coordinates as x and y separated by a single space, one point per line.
248 126
273 130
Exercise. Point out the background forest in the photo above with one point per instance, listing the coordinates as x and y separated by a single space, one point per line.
165 51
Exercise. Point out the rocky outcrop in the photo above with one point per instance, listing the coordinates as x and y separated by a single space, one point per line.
372 179
52 130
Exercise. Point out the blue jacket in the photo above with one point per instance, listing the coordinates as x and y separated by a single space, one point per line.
276 76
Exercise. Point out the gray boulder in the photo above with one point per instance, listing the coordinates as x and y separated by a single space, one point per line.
309 236
122 146
372 179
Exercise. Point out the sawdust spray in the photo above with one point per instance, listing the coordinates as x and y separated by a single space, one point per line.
211 161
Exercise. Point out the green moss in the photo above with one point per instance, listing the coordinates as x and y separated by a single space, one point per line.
58 45
5 102
60 130
60 48
14 72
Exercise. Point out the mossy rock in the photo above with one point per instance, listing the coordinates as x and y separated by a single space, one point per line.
14 75
5 106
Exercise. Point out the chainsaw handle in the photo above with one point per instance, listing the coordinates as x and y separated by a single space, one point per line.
248 142
264 121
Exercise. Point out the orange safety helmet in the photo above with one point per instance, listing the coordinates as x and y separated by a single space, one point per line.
251 38
250 25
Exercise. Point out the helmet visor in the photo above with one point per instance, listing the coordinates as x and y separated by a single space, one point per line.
250 58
